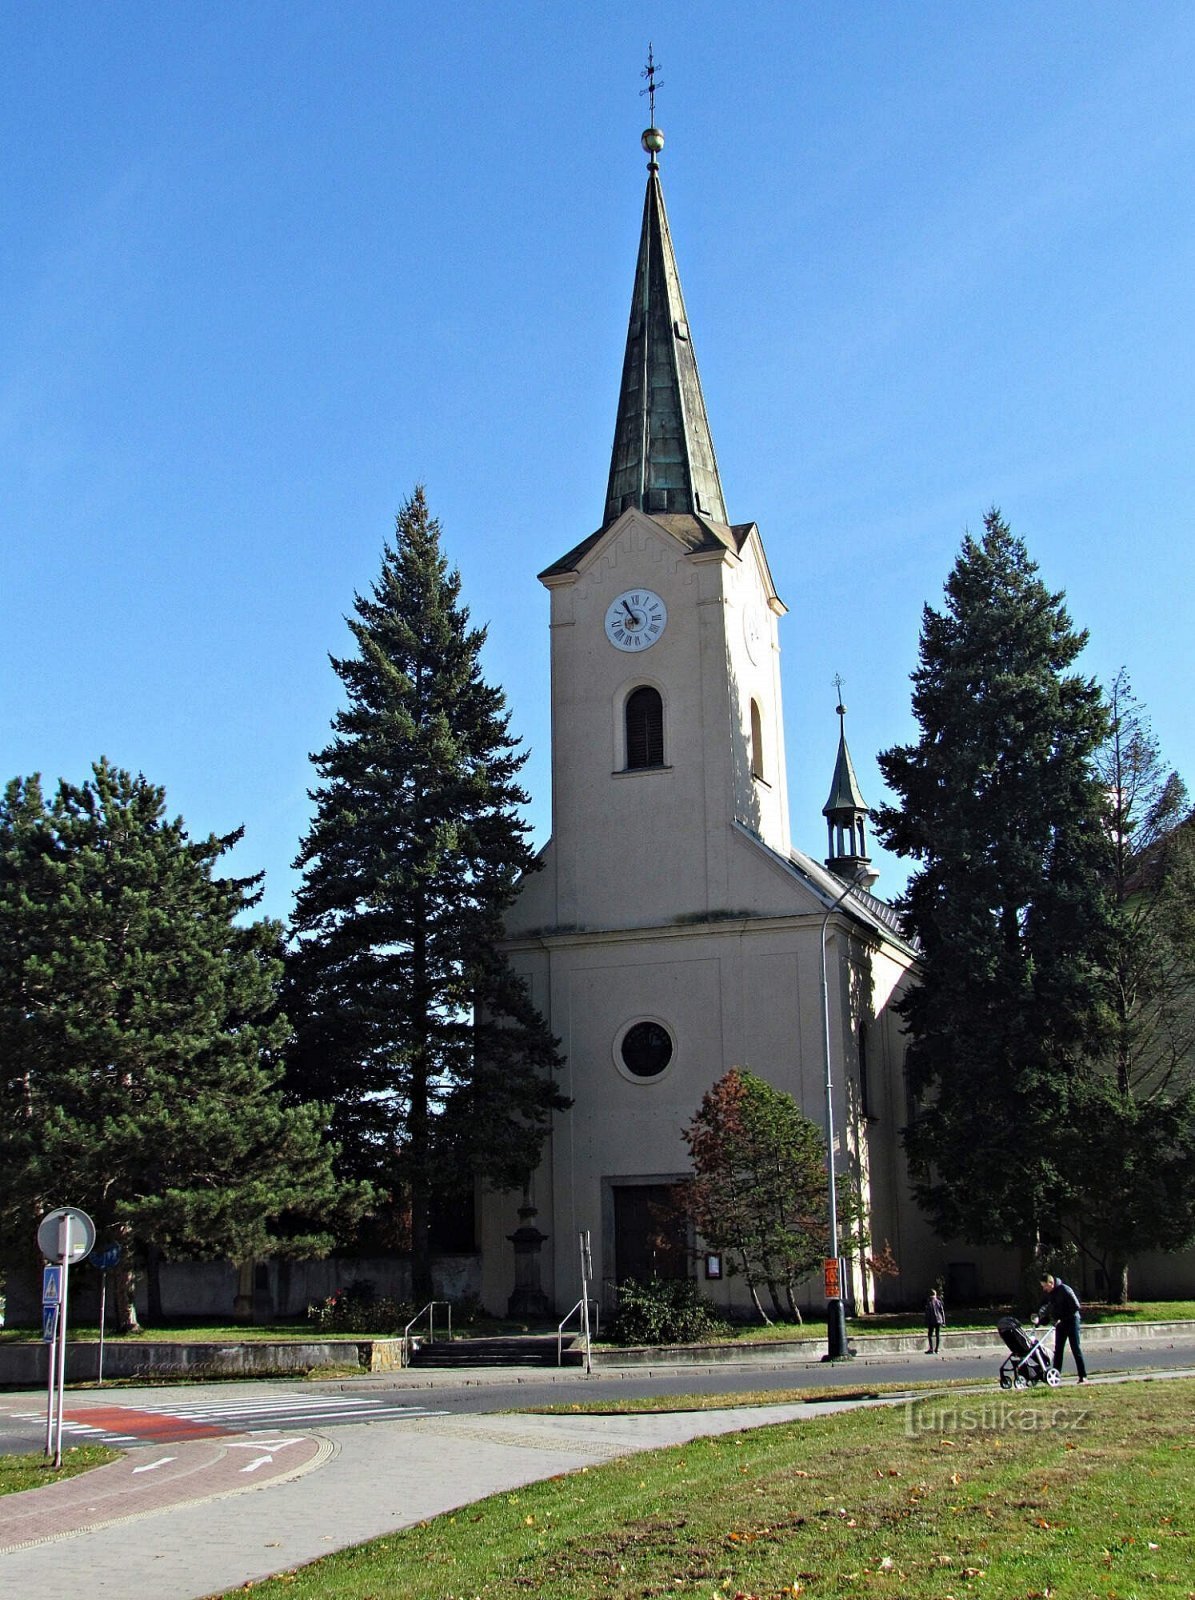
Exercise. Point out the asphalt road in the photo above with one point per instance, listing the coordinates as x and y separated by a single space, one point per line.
122 1416
453 1392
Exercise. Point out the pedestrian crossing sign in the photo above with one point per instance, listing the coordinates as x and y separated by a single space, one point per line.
49 1322
51 1286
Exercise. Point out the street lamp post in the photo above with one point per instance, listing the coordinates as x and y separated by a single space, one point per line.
836 1345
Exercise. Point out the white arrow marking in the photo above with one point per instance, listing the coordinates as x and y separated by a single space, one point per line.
263 1444
262 1461
151 1466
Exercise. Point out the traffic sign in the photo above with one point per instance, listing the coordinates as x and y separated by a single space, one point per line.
51 1286
50 1235
49 1322
104 1259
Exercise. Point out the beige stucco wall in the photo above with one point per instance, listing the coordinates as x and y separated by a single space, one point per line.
666 894
743 991
638 847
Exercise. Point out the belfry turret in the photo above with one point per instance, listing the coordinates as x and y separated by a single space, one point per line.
846 813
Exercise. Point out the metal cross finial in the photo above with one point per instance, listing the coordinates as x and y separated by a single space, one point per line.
838 681
649 72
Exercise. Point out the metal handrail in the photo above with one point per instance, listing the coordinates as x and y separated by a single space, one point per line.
429 1311
560 1330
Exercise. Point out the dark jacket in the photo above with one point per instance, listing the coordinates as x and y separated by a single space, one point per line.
1061 1304
935 1312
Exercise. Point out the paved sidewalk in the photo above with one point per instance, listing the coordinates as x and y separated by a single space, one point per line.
374 1478
354 1482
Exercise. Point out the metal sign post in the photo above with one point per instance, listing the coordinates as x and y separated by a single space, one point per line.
49 1333
586 1278
64 1236
102 1260
64 1248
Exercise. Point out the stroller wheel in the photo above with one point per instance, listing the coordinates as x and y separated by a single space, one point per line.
1020 1381
1005 1381
1053 1377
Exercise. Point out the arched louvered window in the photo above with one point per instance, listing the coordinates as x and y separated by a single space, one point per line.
756 742
645 728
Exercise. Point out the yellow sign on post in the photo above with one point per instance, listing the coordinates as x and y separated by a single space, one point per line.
830 1270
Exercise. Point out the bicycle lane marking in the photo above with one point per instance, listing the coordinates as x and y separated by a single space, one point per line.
147 1480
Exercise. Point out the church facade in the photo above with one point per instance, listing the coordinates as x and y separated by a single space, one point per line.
672 931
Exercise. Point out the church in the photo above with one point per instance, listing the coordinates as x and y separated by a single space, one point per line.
673 931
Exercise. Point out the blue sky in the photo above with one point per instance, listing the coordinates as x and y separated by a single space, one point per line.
265 266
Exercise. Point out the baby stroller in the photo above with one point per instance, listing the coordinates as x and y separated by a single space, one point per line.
1026 1362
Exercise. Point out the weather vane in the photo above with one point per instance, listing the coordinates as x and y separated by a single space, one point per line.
649 72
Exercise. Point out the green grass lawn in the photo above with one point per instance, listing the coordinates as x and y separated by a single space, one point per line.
30 1472
1139 1311
192 1333
1068 1494
983 1318
213 1332
641 1405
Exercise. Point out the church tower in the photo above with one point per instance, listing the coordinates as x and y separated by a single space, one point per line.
666 709
671 931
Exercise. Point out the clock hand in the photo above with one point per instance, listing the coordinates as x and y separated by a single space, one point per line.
631 614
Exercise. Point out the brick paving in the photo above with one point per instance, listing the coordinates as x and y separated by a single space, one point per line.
149 1479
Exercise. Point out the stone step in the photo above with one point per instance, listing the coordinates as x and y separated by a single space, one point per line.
515 1350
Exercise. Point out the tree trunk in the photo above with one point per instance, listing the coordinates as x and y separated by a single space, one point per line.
1118 1283
124 1289
794 1311
749 1279
242 1305
419 1121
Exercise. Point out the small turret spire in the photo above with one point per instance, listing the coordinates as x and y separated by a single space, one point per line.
663 458
846 812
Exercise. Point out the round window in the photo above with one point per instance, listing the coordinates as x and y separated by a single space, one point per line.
646 1049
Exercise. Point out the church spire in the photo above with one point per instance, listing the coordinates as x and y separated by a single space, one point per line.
663 458
846 813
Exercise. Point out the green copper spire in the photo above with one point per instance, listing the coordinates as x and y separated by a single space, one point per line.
663 457
846 813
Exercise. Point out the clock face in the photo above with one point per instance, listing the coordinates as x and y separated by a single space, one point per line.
753 634
635 620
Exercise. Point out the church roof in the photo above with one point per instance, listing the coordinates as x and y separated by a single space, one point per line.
663 458
879 915
693 533
845 794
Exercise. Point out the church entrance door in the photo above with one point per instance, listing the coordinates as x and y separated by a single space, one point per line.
650 1233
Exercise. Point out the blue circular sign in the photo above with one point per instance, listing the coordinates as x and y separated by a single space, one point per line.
105 1258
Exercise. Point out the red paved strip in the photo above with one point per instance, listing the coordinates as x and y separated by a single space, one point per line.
150 1425
144 1481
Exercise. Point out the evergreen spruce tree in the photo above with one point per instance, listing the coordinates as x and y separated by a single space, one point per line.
139 1034
1136 1153
408 1016
1002 806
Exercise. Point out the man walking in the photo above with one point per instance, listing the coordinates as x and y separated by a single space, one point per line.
1062 1307
935 1316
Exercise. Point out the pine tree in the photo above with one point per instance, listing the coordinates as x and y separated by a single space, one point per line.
1150 976
1136 1145
139 1034
410 1019
1003 807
